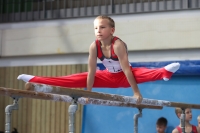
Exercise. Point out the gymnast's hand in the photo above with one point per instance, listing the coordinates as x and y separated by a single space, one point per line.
138 96
86 100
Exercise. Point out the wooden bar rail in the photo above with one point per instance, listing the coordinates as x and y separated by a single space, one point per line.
103 96
56 97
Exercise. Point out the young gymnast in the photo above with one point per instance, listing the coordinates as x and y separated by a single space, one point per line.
161 125
112 51
189 128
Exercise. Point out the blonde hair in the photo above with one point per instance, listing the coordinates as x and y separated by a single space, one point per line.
178 111
198 118
111 21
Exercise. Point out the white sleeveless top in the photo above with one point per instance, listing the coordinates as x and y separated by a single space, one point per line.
112 64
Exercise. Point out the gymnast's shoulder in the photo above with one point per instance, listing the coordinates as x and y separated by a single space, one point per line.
120 45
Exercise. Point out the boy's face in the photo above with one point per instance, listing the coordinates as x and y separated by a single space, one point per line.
102 29
188 114
198 123
160 128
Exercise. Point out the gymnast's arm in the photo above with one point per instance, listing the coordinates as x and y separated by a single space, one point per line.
92 62
121 52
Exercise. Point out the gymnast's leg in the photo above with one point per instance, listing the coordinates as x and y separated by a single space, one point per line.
79 80
146 75
164 73
104 78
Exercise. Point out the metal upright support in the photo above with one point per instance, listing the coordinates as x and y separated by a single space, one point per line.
136 116
8 111
72 110
183 121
